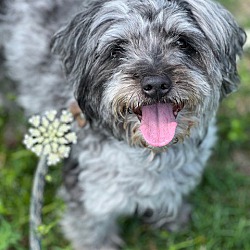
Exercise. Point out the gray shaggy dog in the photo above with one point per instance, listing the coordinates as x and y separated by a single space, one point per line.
149 76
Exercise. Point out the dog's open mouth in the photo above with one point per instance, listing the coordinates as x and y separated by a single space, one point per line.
158 122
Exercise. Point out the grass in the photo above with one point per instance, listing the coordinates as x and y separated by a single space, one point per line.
221 218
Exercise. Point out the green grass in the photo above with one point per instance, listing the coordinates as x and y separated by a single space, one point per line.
221 217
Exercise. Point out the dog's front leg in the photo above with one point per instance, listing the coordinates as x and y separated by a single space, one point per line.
89 222
87 231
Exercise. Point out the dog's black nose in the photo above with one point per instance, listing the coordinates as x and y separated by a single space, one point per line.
156 86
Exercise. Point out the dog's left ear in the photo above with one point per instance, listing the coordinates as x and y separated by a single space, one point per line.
70 42
75 46
224 35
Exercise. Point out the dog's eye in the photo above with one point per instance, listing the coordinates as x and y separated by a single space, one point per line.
117 51
184 45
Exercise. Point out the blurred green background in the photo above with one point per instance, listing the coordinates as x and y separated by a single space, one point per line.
221 217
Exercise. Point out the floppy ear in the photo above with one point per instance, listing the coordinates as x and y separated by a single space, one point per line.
70 41
225 37
230 76
76 45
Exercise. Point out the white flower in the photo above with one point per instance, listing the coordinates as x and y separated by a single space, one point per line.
66 117
37 149
71 137
51 136
53 159
29 141
51 115
35 121
34 132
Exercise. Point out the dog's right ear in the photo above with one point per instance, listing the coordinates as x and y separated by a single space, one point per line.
71 40
224 35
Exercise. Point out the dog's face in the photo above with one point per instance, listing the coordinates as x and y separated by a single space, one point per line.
148 71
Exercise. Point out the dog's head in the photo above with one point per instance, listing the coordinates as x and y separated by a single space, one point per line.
148 71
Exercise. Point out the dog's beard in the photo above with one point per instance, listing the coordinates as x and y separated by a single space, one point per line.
157 124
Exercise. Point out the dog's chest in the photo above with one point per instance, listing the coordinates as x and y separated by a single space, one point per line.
118 176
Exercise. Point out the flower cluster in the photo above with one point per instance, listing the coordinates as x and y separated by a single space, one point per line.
51 136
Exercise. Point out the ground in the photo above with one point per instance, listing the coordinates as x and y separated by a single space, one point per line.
221 218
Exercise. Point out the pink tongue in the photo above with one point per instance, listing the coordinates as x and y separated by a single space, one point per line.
158 124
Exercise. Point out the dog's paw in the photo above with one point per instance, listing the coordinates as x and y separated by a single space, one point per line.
170 223
180 223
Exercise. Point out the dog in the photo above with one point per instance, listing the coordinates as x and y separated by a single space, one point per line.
148 77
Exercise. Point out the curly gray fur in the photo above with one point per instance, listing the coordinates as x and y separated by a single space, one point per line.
102 51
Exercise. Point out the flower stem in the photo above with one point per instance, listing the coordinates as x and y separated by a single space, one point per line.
36 203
